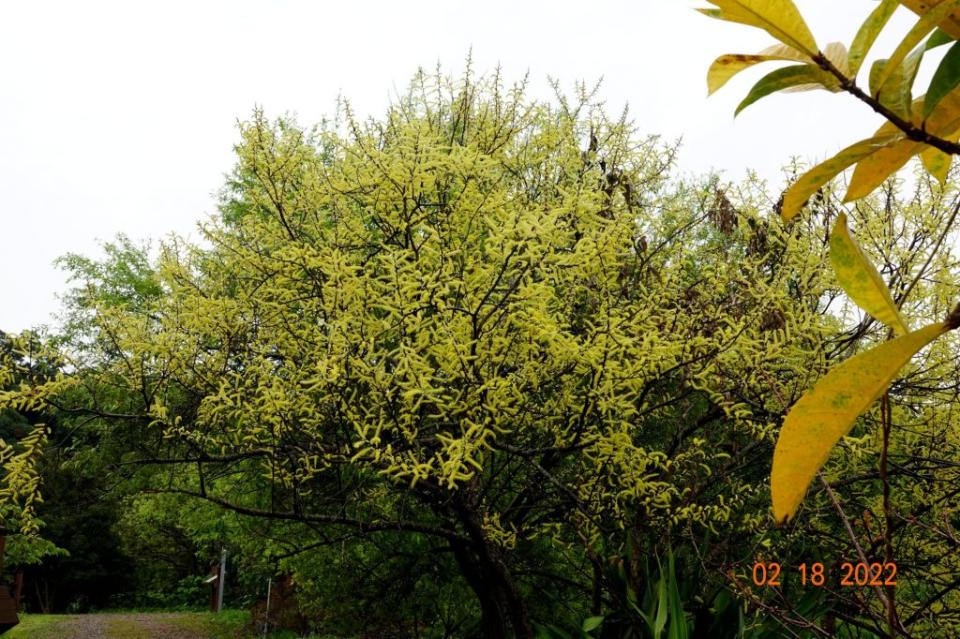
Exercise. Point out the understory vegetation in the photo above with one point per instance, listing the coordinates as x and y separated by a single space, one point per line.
485 366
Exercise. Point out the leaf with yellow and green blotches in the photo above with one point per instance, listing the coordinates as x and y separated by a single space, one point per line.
927 23
937 163
828 411
860 280
867 34
730 64
950 25
779 18
801 190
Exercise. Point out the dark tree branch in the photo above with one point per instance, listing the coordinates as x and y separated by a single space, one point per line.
360 525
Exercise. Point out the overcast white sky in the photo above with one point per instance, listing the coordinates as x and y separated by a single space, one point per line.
119 117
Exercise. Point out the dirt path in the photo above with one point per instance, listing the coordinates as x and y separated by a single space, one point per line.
162 625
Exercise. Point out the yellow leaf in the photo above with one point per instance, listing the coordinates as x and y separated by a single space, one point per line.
827 412
951 24
801 190
928 22
860 280
779 18
872 170
730 64
837 53
937 163
945 118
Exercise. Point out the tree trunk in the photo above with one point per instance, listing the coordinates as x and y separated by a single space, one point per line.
491 581
492 621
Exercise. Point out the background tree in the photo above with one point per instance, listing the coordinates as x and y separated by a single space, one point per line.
488 368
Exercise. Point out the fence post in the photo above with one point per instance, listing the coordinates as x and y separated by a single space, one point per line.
266 612
223 578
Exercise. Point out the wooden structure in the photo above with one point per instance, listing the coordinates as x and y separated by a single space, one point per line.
214 582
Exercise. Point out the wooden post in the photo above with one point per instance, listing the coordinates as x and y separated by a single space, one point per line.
266 611
212 581
222 579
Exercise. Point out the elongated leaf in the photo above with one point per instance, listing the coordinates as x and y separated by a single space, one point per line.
592 623
801 190
678 619
938 39
897 92
837 53
945 79
660 622
827 412
951 25
872 170
779 18
868 33
927 23
937 163
792 76
860 280
944 120
730 64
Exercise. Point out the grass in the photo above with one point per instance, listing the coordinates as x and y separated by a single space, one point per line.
38 626
230 624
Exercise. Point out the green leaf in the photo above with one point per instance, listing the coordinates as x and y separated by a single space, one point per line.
860 280
678 619
592 623
945 79
939 38
785 78
868 33
897 92
779 18
927 23
801 190
730 64
828 411
660 622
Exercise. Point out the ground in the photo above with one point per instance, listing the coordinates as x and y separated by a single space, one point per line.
132 625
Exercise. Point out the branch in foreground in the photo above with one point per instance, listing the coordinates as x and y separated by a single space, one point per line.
915 133
362 526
